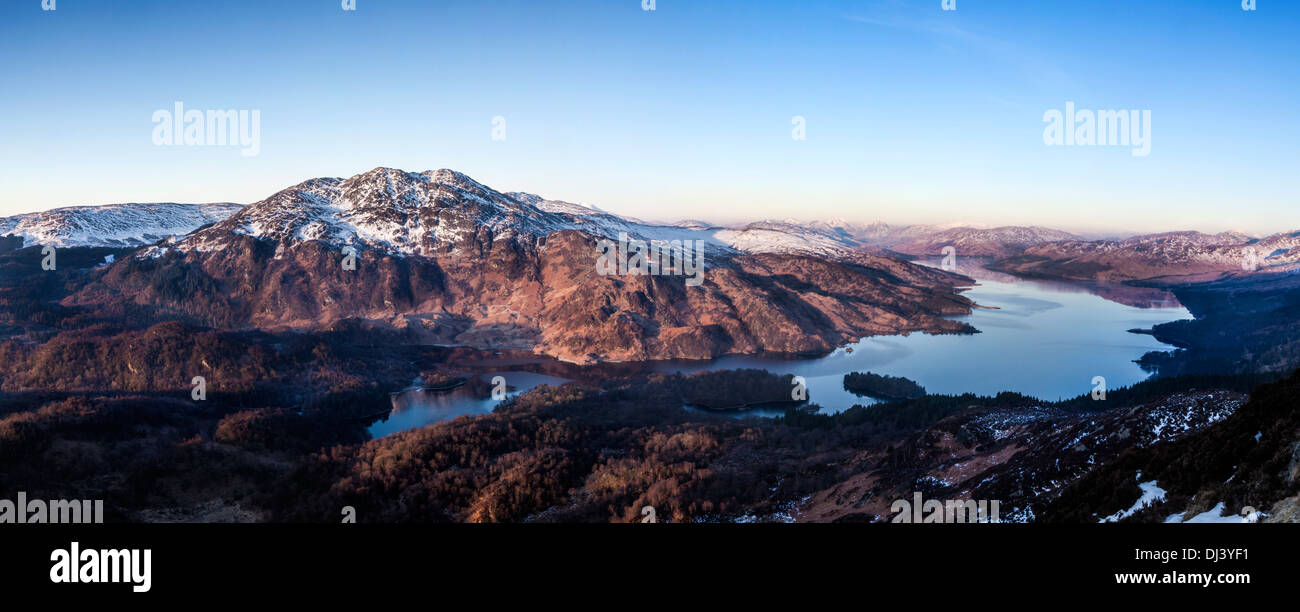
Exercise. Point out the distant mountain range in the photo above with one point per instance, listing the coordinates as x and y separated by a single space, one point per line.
1173 258
402 213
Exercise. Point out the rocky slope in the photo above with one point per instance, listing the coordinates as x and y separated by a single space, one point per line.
1250 460
1023 456
450 260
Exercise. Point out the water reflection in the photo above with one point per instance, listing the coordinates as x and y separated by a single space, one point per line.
1036 338
416 407
1041 338
1128 295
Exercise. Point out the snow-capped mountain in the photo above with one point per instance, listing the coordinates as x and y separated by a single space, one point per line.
978 242
1188 239
113 225
391 210
597 222
426 213
562 207
431 212
435 212
785 237
1172 256
877 233
395 211
449 260
968 239
695 224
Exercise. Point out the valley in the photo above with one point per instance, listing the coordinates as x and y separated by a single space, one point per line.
621 390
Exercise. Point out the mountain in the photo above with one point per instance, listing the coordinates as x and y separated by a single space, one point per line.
877 233
930 240
785 237
449 260
788 236
319 213
405 213
977 242
1172 257
113 225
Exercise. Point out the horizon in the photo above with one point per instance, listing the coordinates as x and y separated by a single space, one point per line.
1112 234
909 114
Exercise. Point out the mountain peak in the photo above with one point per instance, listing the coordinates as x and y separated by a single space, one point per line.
387 209
447 176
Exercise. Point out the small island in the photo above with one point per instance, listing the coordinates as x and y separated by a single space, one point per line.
437 381
882 387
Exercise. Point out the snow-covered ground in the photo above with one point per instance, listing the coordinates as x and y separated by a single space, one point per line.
112 225
1151 494
1218 514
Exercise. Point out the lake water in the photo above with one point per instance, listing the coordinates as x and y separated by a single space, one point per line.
1047 340
416 408
1043 339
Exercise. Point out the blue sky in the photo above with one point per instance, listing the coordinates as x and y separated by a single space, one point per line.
913 114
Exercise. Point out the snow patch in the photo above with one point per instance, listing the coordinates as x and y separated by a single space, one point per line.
1151 494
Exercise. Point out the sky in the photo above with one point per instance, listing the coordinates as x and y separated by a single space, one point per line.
910 113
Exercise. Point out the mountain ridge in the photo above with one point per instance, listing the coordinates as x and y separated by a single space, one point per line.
448 260
113 225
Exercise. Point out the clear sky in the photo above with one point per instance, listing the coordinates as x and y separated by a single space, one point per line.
913 113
